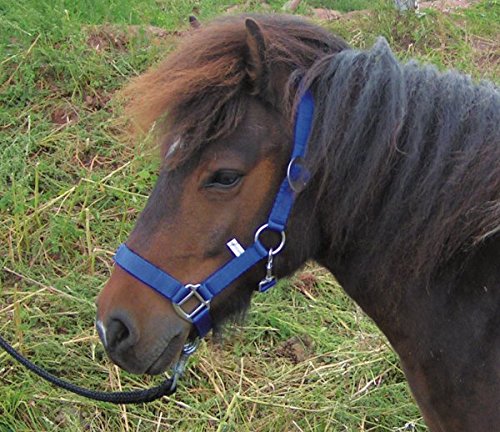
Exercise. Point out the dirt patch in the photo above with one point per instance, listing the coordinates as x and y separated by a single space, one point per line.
64 115
326 14
447 5
244 7
486 51
291 5
306 282
323 14
106 37
296 349
88 160
97 100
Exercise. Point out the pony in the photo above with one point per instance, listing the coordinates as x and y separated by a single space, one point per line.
402 202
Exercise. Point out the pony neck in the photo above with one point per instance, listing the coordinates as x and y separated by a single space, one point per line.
391 193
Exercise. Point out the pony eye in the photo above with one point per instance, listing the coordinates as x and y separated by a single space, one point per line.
224 179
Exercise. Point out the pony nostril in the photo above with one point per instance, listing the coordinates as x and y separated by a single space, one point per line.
120 333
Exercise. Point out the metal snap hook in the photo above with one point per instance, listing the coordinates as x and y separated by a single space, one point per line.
179 368
270 279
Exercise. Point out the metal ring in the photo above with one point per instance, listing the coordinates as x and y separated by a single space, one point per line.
272 250
299 160
289 167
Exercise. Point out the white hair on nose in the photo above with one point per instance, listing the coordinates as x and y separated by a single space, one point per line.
101 329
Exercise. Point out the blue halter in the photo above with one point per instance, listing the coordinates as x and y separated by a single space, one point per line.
205 291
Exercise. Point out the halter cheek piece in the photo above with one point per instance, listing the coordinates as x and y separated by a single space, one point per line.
179 294
296 179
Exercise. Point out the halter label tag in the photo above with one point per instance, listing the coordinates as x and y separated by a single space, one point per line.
235 247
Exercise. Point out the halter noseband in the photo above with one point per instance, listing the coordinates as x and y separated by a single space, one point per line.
178 293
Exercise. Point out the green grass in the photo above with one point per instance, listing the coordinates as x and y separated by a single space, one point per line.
342 5
72 184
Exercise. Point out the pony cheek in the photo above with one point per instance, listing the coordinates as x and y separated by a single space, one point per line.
232 303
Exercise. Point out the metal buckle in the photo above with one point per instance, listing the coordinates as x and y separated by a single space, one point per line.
188 316
272 251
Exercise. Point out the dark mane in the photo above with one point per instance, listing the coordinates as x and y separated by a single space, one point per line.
413 160
198 91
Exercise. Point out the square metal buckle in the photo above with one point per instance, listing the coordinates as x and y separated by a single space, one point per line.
193 292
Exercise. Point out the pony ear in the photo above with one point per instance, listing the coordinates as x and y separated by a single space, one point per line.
256 57
193 22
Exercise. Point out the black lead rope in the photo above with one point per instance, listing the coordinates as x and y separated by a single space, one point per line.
167 388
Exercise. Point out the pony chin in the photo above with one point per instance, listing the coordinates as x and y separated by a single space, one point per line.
167 357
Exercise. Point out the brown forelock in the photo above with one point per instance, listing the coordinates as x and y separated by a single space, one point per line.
198 92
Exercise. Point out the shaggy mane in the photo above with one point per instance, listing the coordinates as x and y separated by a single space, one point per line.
199 92
412 161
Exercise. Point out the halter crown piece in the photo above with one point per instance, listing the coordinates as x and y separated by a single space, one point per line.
178 293
213 285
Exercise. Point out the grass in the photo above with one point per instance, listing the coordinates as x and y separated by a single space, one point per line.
72 184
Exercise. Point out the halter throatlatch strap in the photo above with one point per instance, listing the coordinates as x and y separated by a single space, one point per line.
179 293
